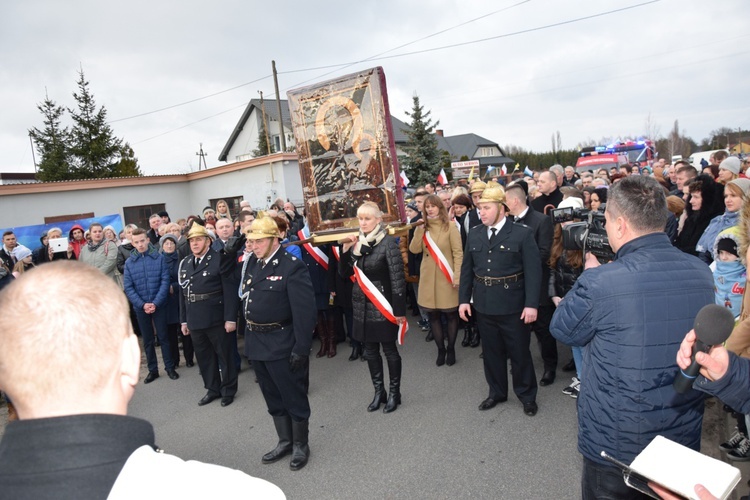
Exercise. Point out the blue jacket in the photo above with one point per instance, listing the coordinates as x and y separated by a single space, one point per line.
630 316
146 278
734 387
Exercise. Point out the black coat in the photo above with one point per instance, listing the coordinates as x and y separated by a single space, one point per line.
540 203
543 235
563 277
123 254
384 266
281 292
207 278
513 251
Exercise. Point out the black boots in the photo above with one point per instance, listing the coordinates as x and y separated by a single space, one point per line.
292 439
300 448
441 357
467 336
450 360
376 374
394 394
284 447
474 338
356 352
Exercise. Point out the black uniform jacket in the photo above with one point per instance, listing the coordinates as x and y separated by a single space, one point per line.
512 252
281 292
205 312
543 235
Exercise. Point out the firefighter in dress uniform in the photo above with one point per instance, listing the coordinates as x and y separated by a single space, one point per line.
502 270
208 313
277 295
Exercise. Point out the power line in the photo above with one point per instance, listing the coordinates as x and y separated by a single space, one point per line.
191 123
190 101
405 54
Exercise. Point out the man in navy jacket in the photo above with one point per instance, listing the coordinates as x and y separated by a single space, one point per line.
146 283
630 316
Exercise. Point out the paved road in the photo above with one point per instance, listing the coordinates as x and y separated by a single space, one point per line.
437 445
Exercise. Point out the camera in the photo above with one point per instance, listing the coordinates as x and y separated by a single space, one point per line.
588 235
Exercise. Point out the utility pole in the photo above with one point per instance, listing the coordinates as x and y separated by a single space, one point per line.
265 123
278 106
201 158
33 157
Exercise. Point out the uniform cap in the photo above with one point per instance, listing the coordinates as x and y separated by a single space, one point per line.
264 227
478 187
495 194
197 231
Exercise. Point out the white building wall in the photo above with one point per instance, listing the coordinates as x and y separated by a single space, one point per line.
246 141
31 209
255 184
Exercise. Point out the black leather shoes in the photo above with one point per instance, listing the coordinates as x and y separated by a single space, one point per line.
429 337
530 409
173 374
490 403
207 399
547 378
151 377
570 366
189 363
227 400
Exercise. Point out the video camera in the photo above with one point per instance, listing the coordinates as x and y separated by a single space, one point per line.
587 235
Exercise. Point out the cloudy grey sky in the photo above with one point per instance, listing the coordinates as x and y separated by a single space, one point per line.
672 59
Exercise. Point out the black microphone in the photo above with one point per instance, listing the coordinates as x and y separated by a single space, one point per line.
712 326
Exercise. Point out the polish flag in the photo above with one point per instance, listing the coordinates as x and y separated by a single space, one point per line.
404 179
442 179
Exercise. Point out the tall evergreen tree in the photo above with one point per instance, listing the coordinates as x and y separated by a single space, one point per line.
423 163
128 164
52 143
95 149
264 148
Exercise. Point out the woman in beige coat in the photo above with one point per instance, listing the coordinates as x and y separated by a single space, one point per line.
439 275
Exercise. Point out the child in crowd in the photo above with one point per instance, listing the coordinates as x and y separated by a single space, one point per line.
729 272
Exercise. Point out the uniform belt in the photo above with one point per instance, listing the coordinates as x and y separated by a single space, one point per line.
502 280
197 297
267 327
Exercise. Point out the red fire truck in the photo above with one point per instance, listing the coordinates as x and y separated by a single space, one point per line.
615 155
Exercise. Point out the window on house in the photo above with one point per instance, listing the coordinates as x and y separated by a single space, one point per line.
232 201
139 215
277 142
488 151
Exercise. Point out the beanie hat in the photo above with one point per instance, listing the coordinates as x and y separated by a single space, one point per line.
21 252
728 245
571 202
412 206
742 183
163 213
208 209
166 237
732 164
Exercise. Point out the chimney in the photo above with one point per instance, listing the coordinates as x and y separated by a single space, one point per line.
439 132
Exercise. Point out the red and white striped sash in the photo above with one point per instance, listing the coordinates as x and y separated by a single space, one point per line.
315 252
380 302
337 254
438 256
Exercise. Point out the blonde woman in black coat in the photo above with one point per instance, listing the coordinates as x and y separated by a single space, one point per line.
377 256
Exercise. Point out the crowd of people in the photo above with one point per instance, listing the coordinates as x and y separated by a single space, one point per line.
485 257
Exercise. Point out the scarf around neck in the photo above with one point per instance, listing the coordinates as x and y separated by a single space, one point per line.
366 242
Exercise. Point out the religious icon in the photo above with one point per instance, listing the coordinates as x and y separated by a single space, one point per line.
346 150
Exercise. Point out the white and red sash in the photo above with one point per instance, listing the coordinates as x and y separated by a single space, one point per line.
438 256
337 254
380 302
315 252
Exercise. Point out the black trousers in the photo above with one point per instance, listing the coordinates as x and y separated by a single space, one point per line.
504 337
285 391
211 346
605 482
547 343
